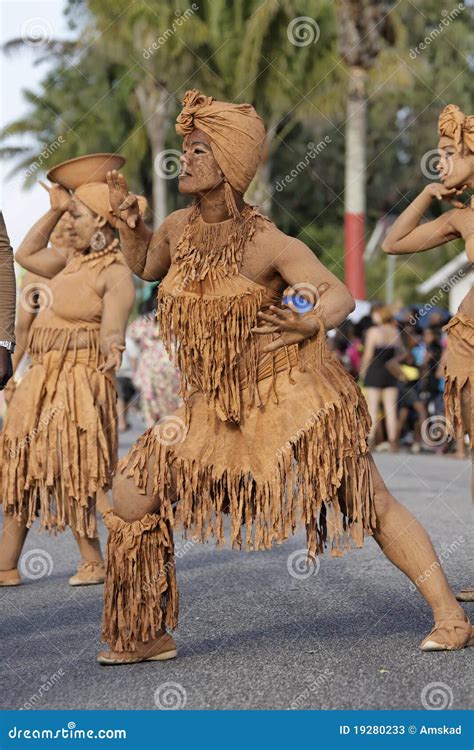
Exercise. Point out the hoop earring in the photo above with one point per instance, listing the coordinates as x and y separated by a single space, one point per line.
98 240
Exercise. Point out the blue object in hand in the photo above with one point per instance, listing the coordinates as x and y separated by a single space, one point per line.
298 303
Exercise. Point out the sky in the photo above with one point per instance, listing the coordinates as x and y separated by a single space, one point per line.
36 19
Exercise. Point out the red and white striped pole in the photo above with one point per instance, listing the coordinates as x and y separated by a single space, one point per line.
354 192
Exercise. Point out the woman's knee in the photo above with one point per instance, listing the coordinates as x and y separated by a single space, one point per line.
128 502
131 503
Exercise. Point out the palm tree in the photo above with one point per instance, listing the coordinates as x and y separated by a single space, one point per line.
240 52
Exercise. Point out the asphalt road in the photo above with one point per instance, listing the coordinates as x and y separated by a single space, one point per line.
251 635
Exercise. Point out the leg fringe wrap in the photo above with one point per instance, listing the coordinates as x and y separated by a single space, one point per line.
140 595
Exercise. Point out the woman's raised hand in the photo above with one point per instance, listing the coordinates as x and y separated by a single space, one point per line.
58 196
441 192
124 204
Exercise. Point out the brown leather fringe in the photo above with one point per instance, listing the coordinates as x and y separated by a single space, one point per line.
204 337
215 249
59 443
453 388
321 478
78 339
140 593
459 371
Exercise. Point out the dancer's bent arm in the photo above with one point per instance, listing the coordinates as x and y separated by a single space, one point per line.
33 253
407 235
298 265
308 279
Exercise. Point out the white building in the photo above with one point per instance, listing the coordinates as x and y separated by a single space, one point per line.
455 278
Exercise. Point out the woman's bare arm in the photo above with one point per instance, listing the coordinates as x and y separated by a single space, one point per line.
147 253
300 268
33 253
115 285
369 350
407 235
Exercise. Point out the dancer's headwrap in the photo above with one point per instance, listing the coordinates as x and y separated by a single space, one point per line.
237 136
454 124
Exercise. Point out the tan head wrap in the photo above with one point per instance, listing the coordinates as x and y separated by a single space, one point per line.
453 123
95 195
236 131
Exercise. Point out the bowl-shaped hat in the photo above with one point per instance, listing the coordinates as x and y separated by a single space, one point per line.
73 173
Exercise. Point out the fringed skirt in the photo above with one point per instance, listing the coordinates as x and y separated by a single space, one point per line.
59 443
459 373
301 457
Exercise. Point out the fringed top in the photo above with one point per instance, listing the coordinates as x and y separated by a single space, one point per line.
206 310
215 250
71 320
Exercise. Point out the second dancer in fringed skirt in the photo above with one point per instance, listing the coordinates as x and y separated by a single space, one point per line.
59 443
410 235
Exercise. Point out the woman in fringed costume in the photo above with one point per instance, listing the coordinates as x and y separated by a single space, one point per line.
272 431
409 235
59 443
